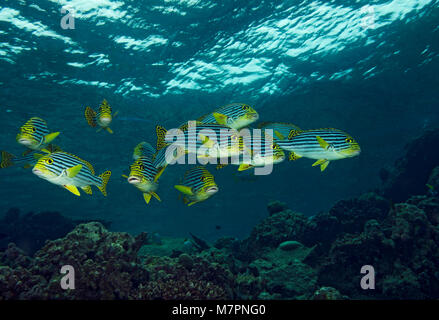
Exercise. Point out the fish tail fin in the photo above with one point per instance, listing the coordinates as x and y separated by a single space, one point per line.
161 134
105 177
90 116
6 159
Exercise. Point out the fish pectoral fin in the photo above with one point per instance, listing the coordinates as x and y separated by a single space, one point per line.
46 150
220 118
184 189
208 143
279 135
244 166
155 195
192 203
72 189
73 171
109 130
37 156
322 142
323 164
50 137
87 190
124 176
115 114
99 129
27 166
293 156
25 153
147 197
159 173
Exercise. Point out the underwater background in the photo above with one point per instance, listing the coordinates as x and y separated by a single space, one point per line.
369 68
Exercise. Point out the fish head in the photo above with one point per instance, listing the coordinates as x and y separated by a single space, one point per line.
349 148
243 116
47 167
105 113
209 186
138 173
32 133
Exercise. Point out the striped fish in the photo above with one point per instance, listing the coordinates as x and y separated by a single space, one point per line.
197 185
27 161
234 115
324 145
260 150
206 140
143 172
34 134
70 172
102 117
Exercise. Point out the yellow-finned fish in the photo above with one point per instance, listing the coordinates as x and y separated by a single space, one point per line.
102 117
35 135
207 140
27 161
70 172
198 185
144 174
234 115
324 145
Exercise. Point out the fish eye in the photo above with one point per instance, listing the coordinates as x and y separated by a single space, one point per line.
245 107
142 167
34 129
349 140
203 179
49 161
274 146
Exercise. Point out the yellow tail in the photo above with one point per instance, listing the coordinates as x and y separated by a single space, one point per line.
161 134
105 177
6 159
90 116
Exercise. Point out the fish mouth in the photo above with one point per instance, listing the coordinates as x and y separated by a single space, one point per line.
37 172
212 190
134 180
24 141
253 116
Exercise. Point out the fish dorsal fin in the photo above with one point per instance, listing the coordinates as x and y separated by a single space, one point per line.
159 173
293 133
73 171
90 116
279 135
184 189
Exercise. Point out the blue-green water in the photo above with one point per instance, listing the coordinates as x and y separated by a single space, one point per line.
367 67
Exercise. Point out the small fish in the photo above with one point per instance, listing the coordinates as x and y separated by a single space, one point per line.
70 172
27 161
198 185
210 140
35 135
260 151
234 115
324 145
143 149
143 174
101 118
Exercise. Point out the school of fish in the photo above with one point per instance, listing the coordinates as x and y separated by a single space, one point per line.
222 137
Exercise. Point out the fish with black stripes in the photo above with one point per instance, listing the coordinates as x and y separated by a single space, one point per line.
234 115
144 174
71 172
197 185
102 117
324 145
34 134
27 161
210 140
